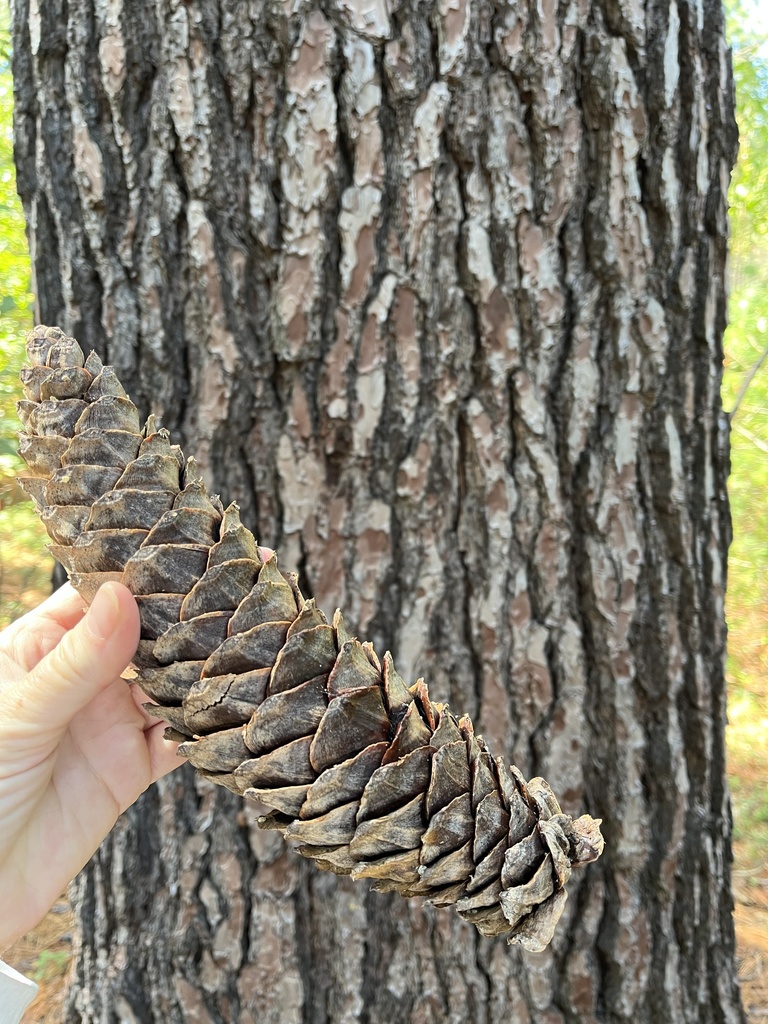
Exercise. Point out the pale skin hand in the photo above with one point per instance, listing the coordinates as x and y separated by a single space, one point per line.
76 746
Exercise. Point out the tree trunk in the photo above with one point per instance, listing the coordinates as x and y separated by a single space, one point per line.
435 290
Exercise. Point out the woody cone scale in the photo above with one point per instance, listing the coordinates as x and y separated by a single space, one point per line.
367 775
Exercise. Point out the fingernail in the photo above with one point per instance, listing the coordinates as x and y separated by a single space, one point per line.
103 615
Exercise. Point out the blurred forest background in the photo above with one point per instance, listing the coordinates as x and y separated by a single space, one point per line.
25 568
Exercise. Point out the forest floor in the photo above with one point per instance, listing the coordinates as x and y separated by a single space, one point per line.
751 917
44 954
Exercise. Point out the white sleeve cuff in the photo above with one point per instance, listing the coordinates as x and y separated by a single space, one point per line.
16 993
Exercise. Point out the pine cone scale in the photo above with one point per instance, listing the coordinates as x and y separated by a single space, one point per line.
287 765
487 873
257 647
450 828
343 781
396 783
398 830
288 715
287 800
158 613
222 751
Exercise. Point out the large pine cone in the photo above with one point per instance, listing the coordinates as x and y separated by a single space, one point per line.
368 775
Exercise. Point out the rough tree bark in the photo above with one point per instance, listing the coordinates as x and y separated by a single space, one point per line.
436 291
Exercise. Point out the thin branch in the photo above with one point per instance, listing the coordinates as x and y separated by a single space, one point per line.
740 429
747 381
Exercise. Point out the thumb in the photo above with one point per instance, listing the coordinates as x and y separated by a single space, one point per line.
86 660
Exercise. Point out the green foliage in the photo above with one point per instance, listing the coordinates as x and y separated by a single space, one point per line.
25 567
745 396
745 386
25 572
749 187
15 293
51 964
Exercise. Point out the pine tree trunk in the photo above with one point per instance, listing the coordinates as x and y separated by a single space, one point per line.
436 292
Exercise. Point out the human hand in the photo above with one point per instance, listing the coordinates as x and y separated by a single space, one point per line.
76 746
